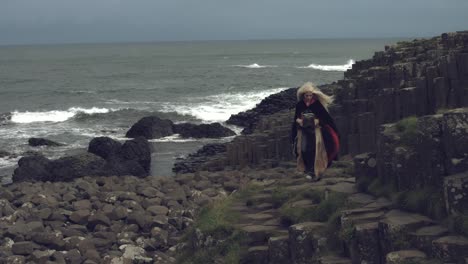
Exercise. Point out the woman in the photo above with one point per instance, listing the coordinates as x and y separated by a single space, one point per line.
317 145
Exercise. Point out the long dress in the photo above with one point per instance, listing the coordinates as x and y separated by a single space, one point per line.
305 139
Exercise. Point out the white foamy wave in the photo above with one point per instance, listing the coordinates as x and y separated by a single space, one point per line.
55 115
343 67
218 108
256 66
173 138
8 162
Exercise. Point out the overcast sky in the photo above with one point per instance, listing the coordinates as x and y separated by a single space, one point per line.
82 21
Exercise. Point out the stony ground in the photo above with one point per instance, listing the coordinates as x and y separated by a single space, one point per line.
133 220
369 229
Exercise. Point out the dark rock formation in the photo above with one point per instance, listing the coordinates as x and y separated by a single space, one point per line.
215 130
151 127
106 157
35 142
193 162
104 147
32 168
69 168
138 150
272 104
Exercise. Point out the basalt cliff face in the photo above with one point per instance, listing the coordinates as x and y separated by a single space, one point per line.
403 120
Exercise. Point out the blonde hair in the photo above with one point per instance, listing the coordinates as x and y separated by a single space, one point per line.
308 87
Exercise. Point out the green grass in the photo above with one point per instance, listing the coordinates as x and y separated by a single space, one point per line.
408 127
320 213
216 221
427 201
279 196
378 188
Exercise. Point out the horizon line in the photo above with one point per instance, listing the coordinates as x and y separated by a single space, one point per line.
203 40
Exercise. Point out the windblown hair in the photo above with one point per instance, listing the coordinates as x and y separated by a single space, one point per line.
308 87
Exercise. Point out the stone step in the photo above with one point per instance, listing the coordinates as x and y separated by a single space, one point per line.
361 215
395 226
331 259
279 249
259 234
363 243
256 254
422 238
381 203
342 187
451 248
306 241
260 198
361 199
406 256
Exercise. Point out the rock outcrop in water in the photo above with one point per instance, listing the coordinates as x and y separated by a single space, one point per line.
153 127
35 142
105 157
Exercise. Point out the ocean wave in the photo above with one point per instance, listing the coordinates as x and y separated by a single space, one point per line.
54 115
256 66
218 108
343 67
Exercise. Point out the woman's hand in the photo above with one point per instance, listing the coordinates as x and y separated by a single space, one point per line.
300 121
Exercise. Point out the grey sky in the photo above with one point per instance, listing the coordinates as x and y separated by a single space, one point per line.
59 21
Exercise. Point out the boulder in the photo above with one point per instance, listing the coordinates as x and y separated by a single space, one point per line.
215 130
151 127
69 168
137 150
32 168
104 147
35 142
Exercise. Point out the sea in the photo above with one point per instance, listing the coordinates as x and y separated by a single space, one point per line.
72 93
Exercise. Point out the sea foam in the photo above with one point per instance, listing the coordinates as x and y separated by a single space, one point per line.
54 115
218 108
343 67
256 66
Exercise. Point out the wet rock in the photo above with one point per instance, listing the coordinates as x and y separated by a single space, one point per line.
35 142
32 168
215 130
151 127
269 105
104 147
